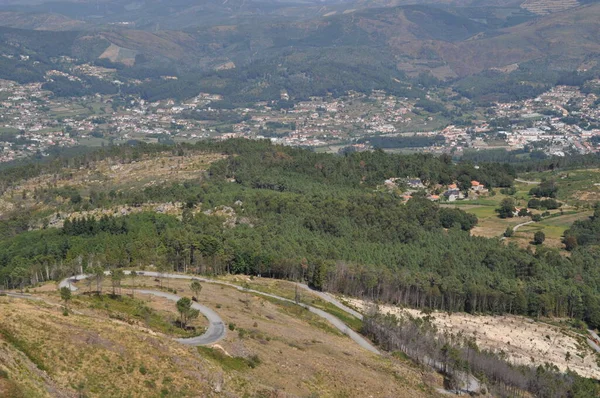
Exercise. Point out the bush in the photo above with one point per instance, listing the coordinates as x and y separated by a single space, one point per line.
506 209
546 189
143 370
254 361
231 326
570 242
539 237
550 204
534 204
523 212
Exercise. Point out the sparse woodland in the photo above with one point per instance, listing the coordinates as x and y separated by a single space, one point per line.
456 356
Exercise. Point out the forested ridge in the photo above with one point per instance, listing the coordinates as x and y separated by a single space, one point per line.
317 217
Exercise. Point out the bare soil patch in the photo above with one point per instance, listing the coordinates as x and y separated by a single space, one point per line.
523 340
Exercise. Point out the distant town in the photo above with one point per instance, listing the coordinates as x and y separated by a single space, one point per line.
561 121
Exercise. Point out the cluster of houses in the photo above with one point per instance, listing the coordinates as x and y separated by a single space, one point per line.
449 193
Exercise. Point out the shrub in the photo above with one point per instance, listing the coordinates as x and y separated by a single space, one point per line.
539 238
534 204
254 361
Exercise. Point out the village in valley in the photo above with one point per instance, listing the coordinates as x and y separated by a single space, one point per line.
561 121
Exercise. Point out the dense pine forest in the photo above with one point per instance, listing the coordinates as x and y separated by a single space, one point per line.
290 213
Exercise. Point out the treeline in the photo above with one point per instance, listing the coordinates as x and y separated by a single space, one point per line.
293 169
91 226
416 141
458 357
503 156
525 161
559 162
584 232
63 87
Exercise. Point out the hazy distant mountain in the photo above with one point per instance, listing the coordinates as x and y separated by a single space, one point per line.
264 49
38 21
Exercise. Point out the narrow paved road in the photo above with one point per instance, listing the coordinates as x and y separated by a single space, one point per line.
364 343
527 182
516 227
333 301
592 341
216 327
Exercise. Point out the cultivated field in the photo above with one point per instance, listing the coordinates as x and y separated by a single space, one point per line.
575 192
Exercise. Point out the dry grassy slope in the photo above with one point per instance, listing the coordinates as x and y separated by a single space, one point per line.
106 356
543 7
148 43
22 378
299 353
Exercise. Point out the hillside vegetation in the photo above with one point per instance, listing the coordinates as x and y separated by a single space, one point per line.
290 213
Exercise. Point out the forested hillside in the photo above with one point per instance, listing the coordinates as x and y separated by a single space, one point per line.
290 213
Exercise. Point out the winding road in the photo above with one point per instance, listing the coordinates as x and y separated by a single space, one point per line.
216 330
216 327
